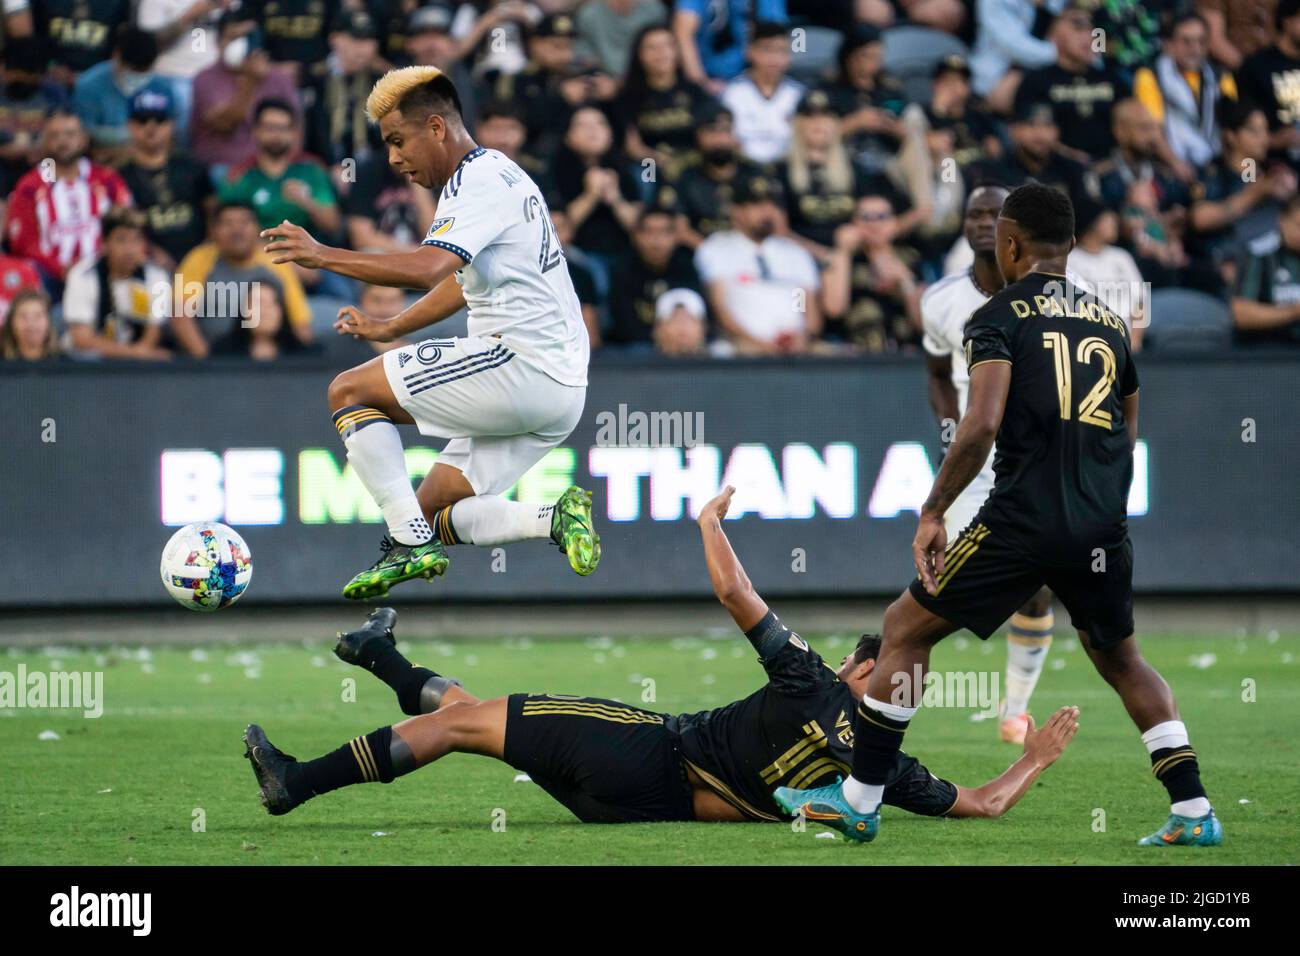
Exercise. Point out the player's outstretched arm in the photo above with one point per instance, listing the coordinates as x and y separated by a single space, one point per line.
434 306
423 268
1042 747
730 583
989 384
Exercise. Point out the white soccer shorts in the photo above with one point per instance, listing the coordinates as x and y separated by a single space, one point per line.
962 511
501 412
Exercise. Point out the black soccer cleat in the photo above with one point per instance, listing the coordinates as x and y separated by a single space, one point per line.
360 646
270 767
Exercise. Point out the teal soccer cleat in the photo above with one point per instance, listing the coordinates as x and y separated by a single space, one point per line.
1187 831
826 805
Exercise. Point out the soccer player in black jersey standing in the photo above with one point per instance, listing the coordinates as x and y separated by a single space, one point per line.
1052 379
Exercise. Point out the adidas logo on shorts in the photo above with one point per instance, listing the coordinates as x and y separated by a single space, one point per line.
403 359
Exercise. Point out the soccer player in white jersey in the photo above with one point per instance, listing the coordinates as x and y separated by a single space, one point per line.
504 395
945 307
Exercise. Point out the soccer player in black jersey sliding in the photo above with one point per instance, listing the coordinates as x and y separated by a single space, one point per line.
1052 378
608 762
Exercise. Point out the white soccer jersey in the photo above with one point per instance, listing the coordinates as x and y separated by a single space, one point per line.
515 278
762 123
945 308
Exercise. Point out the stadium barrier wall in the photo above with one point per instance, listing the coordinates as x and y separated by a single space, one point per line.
832 459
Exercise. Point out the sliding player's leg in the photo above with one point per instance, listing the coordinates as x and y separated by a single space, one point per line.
366 414
374 647
377 757
1100 602
1028 638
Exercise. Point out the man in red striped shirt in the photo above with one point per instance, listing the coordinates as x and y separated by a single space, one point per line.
56 207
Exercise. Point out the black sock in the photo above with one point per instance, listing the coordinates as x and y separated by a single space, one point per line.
1177 769
408 695
405 679
365 759
876 742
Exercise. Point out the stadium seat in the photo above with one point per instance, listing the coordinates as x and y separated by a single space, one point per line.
818 58
911 53
1184 319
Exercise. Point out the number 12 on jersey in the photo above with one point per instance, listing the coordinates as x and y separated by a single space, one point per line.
1090 410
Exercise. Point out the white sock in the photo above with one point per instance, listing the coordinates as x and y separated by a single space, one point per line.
375 453
1172 733
488 520
863 797
1027 645
1196 807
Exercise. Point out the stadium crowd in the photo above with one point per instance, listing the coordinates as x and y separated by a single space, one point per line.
727 177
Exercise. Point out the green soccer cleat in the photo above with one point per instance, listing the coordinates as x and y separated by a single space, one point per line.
826 805
1187 831
397 563
574 531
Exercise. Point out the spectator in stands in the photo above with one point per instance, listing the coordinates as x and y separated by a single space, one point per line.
1080 86
16 274
25 99
869 101
28 332
284 185
657 104
1269 77
681 324
598 192
821 183
1109 269
953 107
215 281
873 300
174 192
1266 297
1236 30
336 124
551 85
1235 203
713 35
56 223
264 335
1132 29
102 97
582 274
428 42
701 194
187 44
115 304
1134 176
382 302
761 287
1005 45
226 93
607 30
763 99
655 265
1181 91
296 33
77 34
1034 155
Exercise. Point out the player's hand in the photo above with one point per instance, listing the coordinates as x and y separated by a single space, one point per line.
927 550
716 508
1044 746
289 243
354 322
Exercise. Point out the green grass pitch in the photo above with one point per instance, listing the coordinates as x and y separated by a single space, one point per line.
133 786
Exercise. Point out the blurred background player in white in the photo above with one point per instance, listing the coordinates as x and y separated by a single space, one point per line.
504 395
945 307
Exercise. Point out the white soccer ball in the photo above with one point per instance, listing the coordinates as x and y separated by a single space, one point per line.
206 566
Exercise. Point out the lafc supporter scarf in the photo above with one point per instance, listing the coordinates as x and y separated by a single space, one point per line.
1189 124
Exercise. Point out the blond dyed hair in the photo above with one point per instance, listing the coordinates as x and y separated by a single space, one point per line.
391 88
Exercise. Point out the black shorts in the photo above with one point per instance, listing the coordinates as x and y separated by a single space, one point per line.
986 579
607 762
